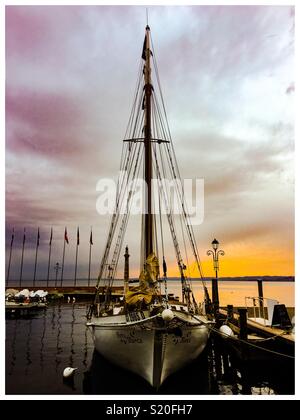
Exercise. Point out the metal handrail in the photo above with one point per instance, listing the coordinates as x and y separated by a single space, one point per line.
258 305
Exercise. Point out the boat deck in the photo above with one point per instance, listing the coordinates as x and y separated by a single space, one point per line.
143 317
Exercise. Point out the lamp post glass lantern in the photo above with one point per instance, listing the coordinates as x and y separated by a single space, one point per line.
215 244
215 256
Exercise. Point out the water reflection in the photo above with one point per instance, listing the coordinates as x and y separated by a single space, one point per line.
85 349
38 348
43 340
13 346
28 348
72 352
234 376
53 317
58 329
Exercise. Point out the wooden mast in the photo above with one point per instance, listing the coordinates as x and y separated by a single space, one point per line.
148 151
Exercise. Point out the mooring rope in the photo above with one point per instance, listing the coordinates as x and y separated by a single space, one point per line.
251 344
247 342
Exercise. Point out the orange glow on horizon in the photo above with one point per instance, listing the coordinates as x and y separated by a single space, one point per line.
241 261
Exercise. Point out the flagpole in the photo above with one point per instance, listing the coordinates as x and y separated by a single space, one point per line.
22 259
90 264
90 257
9 261
63 264
63 260
49 259
75 278
76 258
36 254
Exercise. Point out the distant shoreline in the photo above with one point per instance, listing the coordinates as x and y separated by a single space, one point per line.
255 278
82 282
246 278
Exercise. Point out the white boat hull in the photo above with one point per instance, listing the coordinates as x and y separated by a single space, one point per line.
150 349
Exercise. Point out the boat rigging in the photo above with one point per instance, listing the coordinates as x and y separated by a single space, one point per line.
147 313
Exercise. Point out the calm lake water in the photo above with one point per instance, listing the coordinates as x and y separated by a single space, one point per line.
39 347
234 292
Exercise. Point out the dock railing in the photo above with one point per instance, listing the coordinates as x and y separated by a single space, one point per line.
261 308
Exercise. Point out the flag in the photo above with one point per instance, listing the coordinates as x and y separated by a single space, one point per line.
78 236
66 236
24 237
144 49
12 237
38 238
91 238
51 233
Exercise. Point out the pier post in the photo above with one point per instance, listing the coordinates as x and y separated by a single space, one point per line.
226 366
230 313
261 297
218 357
243 324
215 293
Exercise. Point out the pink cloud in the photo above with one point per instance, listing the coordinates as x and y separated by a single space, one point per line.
41 123
290 89
70 77
25 31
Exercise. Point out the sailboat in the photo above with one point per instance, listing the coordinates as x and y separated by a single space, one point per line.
147 330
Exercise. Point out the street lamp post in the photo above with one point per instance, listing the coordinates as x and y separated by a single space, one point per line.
215 255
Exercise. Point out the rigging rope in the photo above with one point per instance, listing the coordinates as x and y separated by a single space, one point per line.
250 344
190 230
125 218
130 164
163 248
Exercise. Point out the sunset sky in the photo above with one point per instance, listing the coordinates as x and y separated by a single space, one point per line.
227 74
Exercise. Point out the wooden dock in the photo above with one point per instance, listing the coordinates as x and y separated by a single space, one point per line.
74 291
25 308
260 342
80 291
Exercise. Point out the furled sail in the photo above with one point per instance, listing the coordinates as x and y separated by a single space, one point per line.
151 270
148 280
